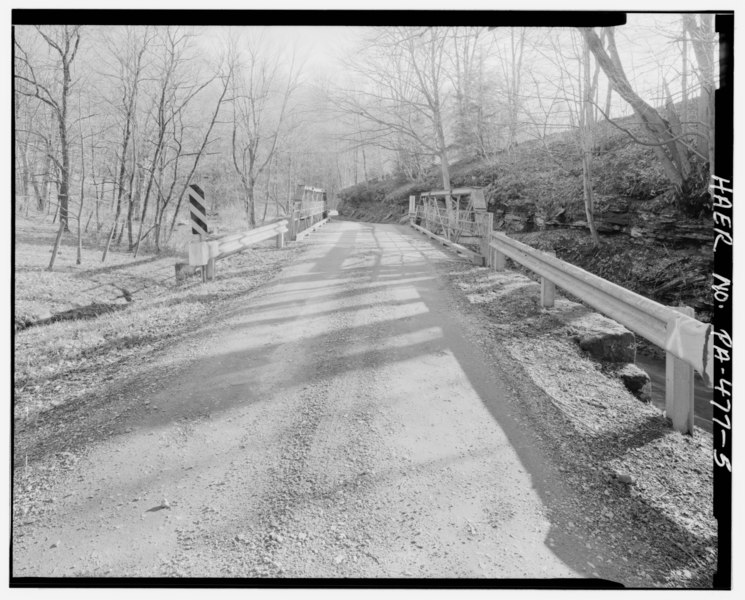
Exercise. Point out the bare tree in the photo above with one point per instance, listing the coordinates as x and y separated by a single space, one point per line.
703 40
511 63
589 86
130 67
64 42
575 88
669 146
464 44
261 96
175 88
226 80
404 91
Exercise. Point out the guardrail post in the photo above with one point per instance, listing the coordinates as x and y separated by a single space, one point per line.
199 254
679 397
292 224
487 224
213 249
281 239
500 261
548 290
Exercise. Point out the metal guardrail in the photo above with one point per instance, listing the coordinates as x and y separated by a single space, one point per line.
453 214
305 219
474 256
308 208
684 338
230 244
205 254
432 221
302 234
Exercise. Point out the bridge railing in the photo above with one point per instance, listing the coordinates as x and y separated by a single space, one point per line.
309 210
687 341
237 242
460 222
206 254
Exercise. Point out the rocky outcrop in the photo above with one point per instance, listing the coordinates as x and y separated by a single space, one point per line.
656 219
636 380
611 343
602 338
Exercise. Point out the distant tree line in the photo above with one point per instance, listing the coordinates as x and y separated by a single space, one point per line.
113 123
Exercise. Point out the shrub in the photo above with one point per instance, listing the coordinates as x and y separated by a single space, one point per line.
630 171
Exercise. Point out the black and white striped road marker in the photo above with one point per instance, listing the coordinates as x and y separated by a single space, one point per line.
198 210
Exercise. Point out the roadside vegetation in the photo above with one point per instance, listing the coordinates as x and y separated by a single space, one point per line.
648 244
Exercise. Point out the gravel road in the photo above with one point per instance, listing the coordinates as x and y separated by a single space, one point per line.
343 423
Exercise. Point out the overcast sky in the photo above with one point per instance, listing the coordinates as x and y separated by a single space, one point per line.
646 54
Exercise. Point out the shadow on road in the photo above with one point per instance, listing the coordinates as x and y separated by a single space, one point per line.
339 281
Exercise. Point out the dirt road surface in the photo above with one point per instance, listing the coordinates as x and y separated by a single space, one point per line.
343 422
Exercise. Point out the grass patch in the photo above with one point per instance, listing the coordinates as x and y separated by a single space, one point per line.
75 349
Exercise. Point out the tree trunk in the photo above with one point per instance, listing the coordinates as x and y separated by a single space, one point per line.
145 202
117 211
160 207
444 164
587 144
40 202
157 231
671 153
63 194
589 198
289 181
64 148
134 194
98 216
112 233
702 41
48 176
57 242
79 257
24 174
266 192
120 237
514 90
250 205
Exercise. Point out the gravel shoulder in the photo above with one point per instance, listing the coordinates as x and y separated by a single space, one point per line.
366 414
642 493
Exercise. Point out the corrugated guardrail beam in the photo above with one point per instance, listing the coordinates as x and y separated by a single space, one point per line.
680 335
236 242
474 256
641 315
